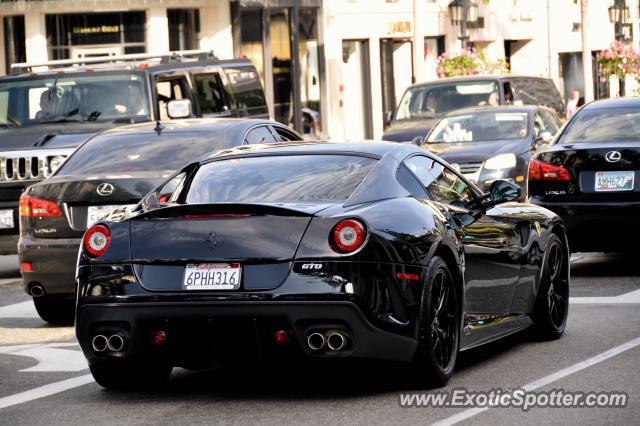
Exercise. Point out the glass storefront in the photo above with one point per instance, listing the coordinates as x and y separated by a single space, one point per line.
288 61
95 34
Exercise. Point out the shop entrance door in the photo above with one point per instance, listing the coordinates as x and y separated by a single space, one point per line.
396 66
95 52
357 89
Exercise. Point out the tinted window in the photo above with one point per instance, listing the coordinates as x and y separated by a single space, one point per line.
247 90
603 125
481 127
442 184
210 94
286 134
437 100
291 178
139 152
551 121
525 91
260 134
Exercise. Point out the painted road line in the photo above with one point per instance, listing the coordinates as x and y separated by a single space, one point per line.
627 298
51 357
544 381
19 310
44 391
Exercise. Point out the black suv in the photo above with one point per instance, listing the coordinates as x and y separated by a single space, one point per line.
45 115
423 104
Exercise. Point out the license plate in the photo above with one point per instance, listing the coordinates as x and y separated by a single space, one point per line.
95 213
212 276
614 181
6 219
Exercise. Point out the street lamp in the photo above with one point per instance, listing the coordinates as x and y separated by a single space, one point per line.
463 12
618 15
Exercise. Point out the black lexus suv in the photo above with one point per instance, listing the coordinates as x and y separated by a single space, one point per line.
45 115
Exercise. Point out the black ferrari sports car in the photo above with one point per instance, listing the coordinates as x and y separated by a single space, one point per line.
590 176
322 250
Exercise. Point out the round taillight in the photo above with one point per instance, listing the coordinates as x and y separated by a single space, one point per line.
96 240
348 235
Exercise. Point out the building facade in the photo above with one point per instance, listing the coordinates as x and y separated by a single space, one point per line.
332 67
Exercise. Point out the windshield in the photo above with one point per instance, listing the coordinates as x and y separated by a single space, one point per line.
603 125
437 100
480 127
86 97
291 178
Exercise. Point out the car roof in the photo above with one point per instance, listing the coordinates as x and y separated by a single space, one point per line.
367 148
613 103
193 125
468 78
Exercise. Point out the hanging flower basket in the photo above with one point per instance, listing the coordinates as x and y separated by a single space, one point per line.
619 60
469 62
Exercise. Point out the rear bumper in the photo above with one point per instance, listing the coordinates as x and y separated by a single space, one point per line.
598 226
229 330
53 262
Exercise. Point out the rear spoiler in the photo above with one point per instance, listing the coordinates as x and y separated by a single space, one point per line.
228 210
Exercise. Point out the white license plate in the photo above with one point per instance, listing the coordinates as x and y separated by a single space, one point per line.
6 219
95 213
212 276
614 181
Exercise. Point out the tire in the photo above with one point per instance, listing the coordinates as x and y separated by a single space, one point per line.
128 375
552 301
439 328
55 309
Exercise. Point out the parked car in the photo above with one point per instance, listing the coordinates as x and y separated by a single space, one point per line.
316 250
45 115
590 176
490 143
114 169
423 104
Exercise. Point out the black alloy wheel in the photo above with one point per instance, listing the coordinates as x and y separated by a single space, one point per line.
439 324
552 305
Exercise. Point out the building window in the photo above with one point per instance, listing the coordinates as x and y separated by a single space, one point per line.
95 34
184 29
14 40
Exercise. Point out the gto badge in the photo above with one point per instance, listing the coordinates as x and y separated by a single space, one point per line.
313 266
613 156
105 189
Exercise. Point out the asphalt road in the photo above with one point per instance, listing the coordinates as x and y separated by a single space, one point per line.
44 380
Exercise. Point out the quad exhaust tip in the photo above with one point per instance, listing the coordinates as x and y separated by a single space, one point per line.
99 343
336 341
115 343
316 341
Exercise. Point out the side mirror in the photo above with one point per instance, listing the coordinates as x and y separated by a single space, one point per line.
179 108
503 191
388 116
418 140
545 136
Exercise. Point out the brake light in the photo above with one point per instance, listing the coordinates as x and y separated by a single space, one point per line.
96 240
348 235
32 206
539 170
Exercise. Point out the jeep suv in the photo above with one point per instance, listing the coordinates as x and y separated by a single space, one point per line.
45 115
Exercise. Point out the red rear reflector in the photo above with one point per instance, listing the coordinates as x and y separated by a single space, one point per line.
216 216
159 337
96 240
410 277
26 267
281 337
32 206
539 170
348 235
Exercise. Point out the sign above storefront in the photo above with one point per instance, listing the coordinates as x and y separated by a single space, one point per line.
399 28
100 29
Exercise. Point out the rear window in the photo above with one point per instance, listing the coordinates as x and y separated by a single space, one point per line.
603 125
138 152
291 178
